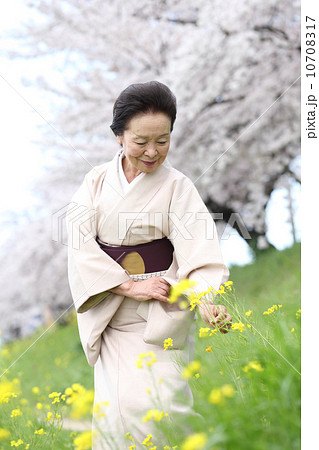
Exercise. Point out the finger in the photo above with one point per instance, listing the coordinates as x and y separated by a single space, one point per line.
161 280
160 297
223 330
166 287
223 327
162 287
213 320
221 309
162 292
225 316
221 321
218 311
220 317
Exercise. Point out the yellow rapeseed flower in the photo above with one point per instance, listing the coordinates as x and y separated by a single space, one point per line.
78 387
16 443
209 349
195 441
39 405
183 304
149 357
98 407
54 394
8 389
168 343
49 416
204 332
272 309
83 441
228 285
36 390
6 396
217 396
16 412
179 289
255 365
147 441
202 294
154 414
129 436
192 368
80 398
221 290
227 390
4 434
292 330
68 391
40 432
248 313
132 447
298 313
82 403
238 326
194 300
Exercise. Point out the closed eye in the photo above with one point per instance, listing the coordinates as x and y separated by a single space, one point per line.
143 143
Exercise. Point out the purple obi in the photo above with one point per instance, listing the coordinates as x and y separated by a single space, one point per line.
154 256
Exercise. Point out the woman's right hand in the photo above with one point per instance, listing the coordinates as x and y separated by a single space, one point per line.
154 287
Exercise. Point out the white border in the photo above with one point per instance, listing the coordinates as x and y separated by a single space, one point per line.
310 248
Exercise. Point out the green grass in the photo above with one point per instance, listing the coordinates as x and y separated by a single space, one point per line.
263 412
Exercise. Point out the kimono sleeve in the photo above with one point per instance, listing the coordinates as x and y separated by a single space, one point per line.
91 271
194 237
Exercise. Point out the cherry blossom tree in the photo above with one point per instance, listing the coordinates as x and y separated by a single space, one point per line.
234 68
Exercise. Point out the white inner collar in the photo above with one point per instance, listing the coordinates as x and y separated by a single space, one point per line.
125 184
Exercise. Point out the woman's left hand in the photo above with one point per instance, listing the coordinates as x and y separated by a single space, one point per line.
216 316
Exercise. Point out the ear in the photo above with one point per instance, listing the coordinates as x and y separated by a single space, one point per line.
120 140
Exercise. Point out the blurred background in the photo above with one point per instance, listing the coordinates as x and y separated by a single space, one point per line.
234 68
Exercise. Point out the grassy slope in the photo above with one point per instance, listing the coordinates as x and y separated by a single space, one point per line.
274 278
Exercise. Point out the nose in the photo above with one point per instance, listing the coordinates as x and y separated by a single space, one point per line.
151 150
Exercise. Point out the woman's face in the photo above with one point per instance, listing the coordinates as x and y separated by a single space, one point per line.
145 142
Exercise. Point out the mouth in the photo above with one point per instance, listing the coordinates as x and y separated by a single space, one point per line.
149 163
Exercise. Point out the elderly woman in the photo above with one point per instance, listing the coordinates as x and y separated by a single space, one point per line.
137 226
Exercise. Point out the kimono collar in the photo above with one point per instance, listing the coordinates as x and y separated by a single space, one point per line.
114 201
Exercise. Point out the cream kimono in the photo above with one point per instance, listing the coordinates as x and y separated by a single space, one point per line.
114 329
